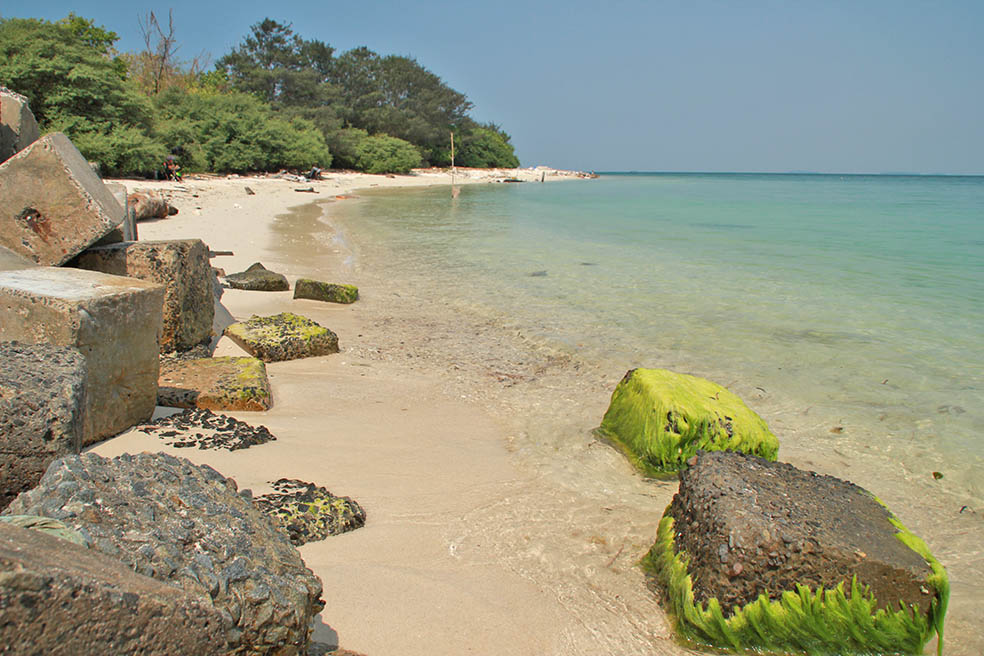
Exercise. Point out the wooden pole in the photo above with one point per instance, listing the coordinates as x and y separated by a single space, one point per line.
454 191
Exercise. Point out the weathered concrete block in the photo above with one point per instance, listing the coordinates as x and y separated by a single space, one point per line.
127 229
182 266
225 383
18 129
325 291
62 598
763 556
52 204
42 404
10 260
284 336
113 321
189 526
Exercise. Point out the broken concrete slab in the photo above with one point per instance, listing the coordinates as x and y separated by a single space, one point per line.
223 383
182 266
258 278
128 228
42 405
63 598
325 291
113 321
52 204
18 129
284 336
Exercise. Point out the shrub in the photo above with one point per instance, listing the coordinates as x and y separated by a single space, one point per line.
384 154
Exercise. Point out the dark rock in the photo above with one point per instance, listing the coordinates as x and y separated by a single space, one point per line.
42 406
746 527
283 336
325 291
310 513
206 430
258 278
61 598
187 525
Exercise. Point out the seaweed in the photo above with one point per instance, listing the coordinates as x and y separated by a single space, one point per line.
822 621
659 419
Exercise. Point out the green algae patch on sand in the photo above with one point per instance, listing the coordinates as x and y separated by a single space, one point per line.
823 621
325 291
284 336
659 419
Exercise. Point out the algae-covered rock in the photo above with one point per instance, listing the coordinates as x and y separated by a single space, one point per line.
758 555
659 419
309 512
284 336
325 291
258 278
223 383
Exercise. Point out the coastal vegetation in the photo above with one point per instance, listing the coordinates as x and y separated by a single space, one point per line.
275 101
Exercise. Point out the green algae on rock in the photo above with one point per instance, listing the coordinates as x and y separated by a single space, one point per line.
325 291
762 556
222 383
659 419
259 279
308 512
284 336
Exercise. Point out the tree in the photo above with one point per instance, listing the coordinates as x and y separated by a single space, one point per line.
76 84
487 146
384 154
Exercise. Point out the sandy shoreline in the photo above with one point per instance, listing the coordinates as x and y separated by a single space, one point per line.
478 538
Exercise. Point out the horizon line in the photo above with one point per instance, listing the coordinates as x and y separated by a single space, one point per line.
881 173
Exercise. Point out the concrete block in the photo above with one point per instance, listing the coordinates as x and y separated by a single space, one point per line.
182 266
42 405
52 204
18 129
224 383
127 229
113 321
10 260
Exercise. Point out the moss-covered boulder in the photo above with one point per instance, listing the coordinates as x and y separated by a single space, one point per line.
284 336
258 278
223 383
309 512
759 555
325 291
659 419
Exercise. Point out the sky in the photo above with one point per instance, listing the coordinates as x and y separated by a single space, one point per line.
865 86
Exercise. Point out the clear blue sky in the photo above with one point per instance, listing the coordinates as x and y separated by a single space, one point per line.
869 86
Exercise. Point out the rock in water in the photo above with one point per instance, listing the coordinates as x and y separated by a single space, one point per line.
61 598
659 419
42 404
283 336
187 525
325 291
258 278
758 555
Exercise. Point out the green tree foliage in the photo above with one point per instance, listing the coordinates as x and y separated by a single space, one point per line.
76 84
384 154
236 132
487 146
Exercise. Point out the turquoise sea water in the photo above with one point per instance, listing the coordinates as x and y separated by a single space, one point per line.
858 299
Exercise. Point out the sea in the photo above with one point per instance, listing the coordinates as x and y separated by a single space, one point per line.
847 310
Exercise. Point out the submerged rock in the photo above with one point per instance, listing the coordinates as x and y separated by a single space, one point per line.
310 513
258 278
659 419
284 336
189 526
759 555
325 291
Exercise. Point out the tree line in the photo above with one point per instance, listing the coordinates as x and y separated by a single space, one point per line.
275 101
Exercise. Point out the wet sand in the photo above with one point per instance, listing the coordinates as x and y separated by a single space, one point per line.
495 521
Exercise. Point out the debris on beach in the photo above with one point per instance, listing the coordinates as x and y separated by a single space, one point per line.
198 427
308 512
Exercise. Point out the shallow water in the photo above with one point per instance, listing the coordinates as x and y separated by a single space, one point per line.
847 311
